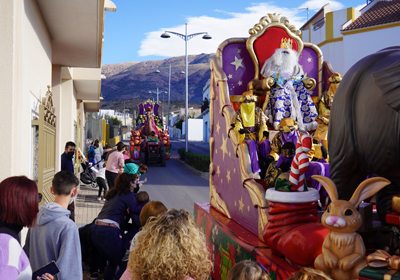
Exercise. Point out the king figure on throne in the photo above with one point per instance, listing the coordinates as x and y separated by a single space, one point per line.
288 98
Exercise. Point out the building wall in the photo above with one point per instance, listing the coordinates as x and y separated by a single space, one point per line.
334 54
25 57
195 129
67 115
361 44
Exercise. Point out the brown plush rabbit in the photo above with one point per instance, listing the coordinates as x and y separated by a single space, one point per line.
343 251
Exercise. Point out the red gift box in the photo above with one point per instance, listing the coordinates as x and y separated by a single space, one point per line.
230 243
393 219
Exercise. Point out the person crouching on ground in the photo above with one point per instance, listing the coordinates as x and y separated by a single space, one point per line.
108 231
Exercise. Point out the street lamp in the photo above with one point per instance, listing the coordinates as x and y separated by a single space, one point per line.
157 92
186 38
169 86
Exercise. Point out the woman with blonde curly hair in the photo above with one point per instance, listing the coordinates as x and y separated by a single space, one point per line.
170 247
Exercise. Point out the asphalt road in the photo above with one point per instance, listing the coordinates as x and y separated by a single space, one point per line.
193 146
175 185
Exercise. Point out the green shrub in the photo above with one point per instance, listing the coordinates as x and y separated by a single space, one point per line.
200 162
181 152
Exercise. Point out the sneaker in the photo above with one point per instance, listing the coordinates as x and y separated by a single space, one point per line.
93 275
104 199
125 258
99 198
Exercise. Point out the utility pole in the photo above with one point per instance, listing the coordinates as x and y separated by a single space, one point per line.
124 115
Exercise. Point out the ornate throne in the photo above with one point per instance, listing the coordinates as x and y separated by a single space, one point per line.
236 68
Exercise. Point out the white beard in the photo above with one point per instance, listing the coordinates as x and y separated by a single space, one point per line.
280 62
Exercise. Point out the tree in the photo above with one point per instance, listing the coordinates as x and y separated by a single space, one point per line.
113 120
178 123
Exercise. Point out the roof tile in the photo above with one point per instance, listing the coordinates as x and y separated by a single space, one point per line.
382 12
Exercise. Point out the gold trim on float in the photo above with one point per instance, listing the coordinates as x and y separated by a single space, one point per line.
255 190
372 28
236 98
266 22
214 198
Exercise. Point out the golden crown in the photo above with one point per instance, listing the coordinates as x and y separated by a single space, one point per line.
286 43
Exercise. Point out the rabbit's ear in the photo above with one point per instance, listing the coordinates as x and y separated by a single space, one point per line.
368 188
329 186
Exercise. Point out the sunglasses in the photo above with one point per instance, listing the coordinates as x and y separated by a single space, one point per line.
40 196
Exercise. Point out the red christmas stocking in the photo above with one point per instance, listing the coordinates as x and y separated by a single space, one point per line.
293 227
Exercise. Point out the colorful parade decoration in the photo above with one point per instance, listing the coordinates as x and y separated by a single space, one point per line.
343 251
149 141
300 163
283 224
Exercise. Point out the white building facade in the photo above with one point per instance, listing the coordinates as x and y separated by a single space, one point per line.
342 48
55 43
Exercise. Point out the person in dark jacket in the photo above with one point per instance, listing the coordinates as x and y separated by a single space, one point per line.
66 157
109 228
67 163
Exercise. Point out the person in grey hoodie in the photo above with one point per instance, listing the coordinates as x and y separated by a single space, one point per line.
55 236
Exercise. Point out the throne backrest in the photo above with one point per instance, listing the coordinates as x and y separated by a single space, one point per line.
241 59
267 36
148 104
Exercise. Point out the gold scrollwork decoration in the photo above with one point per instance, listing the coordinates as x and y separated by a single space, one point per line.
309 83
49 111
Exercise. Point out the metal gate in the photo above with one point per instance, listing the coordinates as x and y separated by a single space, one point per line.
47 145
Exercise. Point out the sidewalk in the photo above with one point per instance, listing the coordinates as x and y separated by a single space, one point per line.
87 207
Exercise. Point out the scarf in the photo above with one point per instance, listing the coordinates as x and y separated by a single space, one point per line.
248 113
11 229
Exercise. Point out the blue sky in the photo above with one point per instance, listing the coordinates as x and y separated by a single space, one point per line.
132 33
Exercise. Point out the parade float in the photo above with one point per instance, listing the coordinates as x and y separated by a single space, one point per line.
149 141
254 111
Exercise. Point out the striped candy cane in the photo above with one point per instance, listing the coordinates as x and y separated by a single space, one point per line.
300 162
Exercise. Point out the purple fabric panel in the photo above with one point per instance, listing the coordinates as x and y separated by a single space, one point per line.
230 188
309 60
315 168
255 167
325 78
289 137
238 77
283 159
141 111
264 148
156 107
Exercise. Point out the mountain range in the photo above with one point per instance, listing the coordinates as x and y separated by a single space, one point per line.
131 82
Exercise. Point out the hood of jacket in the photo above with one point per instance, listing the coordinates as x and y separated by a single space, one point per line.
51 212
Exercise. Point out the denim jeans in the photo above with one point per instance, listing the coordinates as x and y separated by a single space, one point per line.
109 243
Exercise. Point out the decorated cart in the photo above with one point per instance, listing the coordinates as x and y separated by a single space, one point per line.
245 218
149 141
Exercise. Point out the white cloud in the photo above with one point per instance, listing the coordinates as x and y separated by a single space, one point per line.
221 29
359 7
315 5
